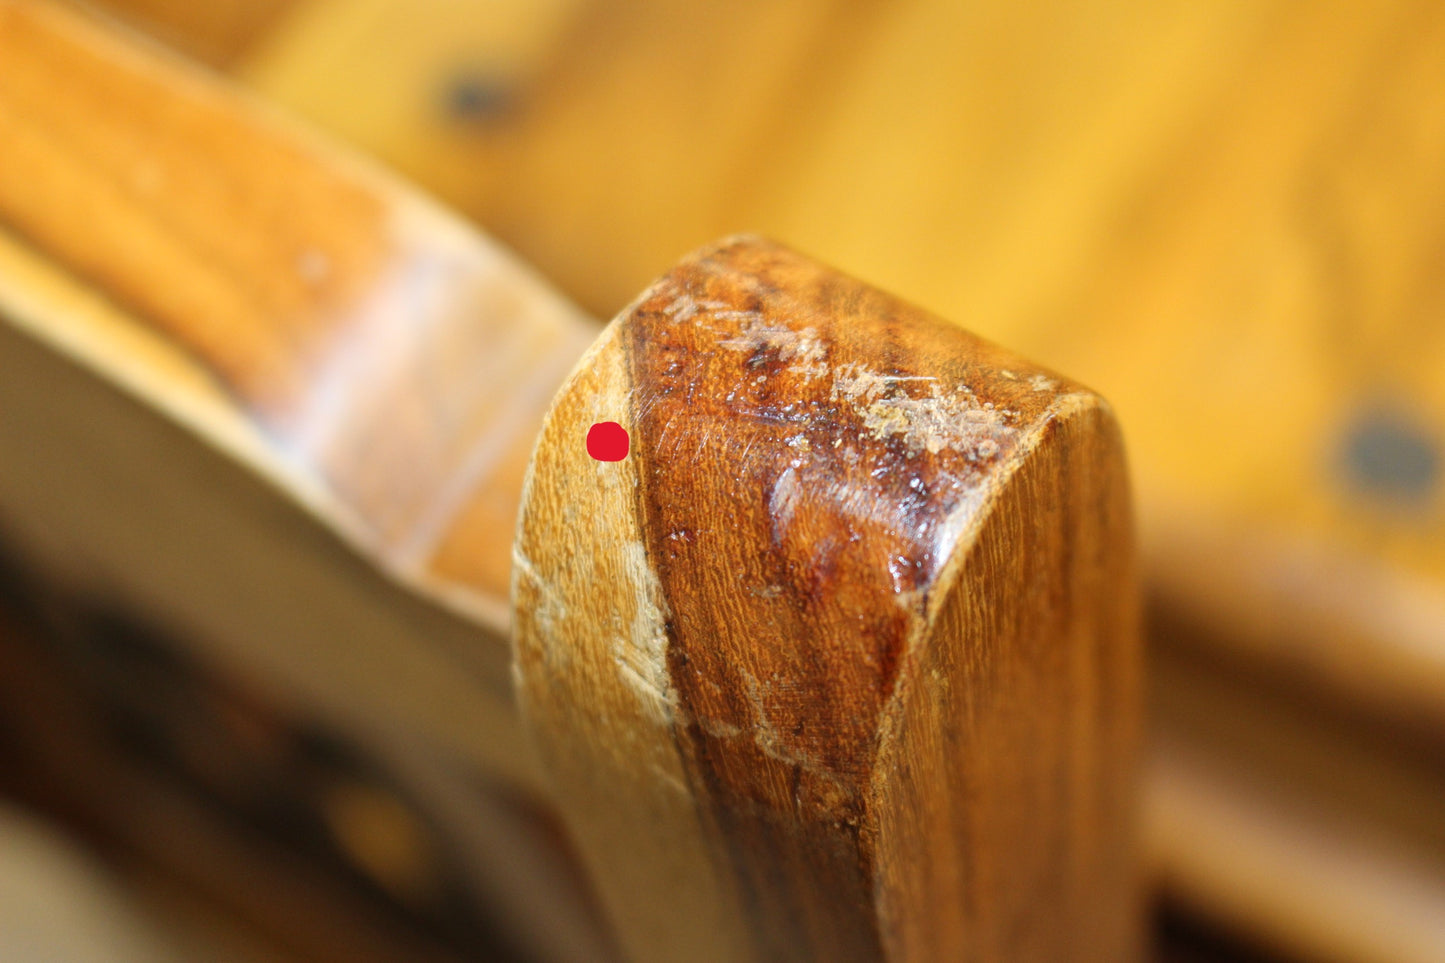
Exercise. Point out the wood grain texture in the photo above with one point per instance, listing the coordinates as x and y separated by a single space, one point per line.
844 654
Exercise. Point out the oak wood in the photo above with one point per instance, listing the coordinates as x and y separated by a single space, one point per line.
841 662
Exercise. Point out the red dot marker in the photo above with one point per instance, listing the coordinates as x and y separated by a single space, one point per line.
608 441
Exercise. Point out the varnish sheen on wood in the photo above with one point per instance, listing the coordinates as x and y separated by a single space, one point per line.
841 662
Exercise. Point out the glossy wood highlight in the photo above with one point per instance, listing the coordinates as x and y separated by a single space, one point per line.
850 670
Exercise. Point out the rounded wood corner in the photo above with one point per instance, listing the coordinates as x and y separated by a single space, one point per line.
841 660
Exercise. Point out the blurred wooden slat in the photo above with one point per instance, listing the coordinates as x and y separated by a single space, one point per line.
217 32
267 398
1306 827
274 263
1305 884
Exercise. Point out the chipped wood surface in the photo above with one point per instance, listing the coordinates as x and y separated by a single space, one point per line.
856 631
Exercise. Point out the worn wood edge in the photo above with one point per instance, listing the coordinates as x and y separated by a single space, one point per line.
619 830
629 829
